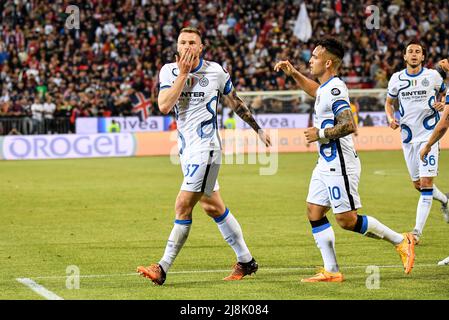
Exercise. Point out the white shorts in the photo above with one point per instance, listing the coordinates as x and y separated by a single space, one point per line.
200 171
417 168
336 191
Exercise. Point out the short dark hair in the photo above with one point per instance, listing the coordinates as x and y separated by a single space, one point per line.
418 43
191 30
333 46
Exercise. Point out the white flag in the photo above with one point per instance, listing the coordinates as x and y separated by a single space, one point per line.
303 27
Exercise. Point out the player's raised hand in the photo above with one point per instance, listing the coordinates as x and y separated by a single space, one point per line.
286 67
424 152
444 64
185 61
439 106
312 134
393 123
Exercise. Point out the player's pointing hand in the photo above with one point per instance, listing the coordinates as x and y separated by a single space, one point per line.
286 67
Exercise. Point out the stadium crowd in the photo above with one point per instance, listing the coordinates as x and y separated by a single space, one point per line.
49 71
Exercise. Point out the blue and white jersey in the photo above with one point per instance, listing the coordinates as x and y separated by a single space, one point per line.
196 108
447 97
336 157
416 95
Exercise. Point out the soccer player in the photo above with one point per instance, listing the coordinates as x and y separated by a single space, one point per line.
192 87
419 91
439 130
335 179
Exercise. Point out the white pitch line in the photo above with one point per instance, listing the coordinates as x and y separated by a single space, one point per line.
227 270
40 290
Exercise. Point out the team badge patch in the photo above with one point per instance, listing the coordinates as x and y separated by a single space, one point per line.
204 82
425 82
335 91
175 72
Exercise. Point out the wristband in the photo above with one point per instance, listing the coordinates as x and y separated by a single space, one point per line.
321 134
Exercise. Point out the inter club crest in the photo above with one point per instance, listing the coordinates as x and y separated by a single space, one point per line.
425 82
204 82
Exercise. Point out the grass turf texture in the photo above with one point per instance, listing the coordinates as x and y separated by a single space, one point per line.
107 216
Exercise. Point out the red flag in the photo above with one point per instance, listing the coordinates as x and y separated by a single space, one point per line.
338 7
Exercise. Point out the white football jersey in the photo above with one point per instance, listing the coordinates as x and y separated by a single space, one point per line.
336 157
196 108
416 95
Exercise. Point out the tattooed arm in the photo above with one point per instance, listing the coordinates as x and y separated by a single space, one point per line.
345 125
233 101
437 134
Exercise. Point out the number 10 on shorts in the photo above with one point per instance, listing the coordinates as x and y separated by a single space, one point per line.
334 193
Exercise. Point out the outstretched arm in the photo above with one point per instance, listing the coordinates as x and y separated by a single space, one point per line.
306 84
233 101
345 126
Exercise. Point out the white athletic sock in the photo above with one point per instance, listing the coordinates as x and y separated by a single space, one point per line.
325 241
176 240
373 228
423 209
438 195
232 233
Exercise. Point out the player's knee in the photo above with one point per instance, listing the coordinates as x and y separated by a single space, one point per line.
211 210
346 222
426 183
183 209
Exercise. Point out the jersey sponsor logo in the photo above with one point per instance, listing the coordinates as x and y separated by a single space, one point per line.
204 82
175 72
335 91
193 94
425 82
413 93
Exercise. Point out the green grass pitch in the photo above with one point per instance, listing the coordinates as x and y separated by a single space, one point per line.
107 216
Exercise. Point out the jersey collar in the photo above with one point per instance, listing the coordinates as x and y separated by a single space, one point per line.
198 67
327 81
414 75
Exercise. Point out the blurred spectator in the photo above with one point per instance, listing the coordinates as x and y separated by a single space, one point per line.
230 122
123 44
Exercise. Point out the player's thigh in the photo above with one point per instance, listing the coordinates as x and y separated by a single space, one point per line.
213 205
200 171
343 192
411 156
429 167
317 196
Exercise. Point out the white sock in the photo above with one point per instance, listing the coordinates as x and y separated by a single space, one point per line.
176 240
325 241
438 195
373 228
233 235
423 209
